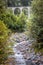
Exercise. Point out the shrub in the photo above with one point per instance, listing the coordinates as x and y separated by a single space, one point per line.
37 27
3 41
13 22
28 28
20 23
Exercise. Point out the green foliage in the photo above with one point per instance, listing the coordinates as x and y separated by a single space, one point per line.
4 45
37 19
9 20
3 31
13 22
13 3
20 23
25 2
2 6
3 41
28 25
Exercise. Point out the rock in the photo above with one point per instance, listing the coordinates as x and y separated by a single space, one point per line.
23 47
29 62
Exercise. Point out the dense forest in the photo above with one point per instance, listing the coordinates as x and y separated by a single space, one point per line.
13 3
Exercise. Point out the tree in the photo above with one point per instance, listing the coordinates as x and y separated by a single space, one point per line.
37 19
25 2
4 45
2 5
3 42
12 3
2 8
18 3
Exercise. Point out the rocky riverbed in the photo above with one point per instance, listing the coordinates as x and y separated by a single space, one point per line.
24 54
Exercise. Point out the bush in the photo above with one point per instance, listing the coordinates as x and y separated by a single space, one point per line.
3 41
37 19
20 23
13 22
28 28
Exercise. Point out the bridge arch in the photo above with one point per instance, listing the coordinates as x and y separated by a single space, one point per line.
21 9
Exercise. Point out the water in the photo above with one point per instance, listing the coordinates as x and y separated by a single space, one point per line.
19 60
22 55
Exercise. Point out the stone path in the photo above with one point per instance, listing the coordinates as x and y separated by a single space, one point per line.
24 55
19 59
